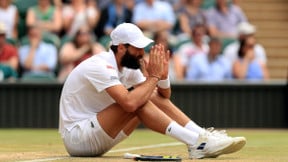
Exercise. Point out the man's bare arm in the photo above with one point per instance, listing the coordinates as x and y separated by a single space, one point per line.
132 100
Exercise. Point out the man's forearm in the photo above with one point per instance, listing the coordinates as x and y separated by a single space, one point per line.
142 93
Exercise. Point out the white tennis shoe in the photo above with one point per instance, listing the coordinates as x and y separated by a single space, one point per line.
208 145
238 142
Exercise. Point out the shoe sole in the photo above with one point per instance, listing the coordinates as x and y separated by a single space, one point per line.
213 154
238 144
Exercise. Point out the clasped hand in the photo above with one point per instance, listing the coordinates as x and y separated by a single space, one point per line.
158 64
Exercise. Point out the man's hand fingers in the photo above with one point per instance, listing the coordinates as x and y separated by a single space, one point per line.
144 66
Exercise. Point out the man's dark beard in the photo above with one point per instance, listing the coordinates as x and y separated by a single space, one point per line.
130 61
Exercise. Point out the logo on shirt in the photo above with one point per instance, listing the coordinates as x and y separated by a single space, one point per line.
110 67
114 78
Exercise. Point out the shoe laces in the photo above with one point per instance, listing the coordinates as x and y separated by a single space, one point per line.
216 133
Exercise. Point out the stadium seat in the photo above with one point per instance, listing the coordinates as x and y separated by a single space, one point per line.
8 71
22 29
226 42
105 41
65 39
12 41
206 4
38 77
23 6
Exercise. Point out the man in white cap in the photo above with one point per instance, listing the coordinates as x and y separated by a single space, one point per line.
106 96
245 30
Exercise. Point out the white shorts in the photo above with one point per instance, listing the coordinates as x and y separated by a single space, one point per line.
90 139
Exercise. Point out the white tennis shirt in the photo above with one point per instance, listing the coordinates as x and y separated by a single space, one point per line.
83 94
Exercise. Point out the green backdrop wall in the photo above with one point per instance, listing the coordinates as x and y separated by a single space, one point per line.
232 104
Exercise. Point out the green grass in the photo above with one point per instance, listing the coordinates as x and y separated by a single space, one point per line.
30 144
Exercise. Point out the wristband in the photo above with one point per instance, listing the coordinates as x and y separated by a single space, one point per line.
164 84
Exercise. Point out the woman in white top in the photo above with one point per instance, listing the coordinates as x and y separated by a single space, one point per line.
9 17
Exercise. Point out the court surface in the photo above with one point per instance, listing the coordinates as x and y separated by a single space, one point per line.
33 145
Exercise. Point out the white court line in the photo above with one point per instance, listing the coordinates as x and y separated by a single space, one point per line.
146 147
45 159
112 151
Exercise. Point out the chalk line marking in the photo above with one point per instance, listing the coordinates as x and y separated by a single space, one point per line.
146 147
45 159
112 151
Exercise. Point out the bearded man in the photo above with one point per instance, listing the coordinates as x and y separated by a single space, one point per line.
106 97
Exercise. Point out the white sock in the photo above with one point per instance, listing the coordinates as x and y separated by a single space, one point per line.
182 134
192 126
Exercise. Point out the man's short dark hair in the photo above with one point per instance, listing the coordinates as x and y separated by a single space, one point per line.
114 48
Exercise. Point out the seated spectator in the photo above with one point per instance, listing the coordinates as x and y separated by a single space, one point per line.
159 16
8 56
191 15
223 19
45 16
79 13
246 67
74 52
210 67
188 50
9 16
37 58
117 13
245 30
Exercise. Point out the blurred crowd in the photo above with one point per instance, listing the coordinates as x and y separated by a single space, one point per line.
209 39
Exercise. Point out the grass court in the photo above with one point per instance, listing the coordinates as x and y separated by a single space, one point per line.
33 145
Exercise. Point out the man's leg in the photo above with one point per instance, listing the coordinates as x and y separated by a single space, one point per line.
131 126
175 113
114 119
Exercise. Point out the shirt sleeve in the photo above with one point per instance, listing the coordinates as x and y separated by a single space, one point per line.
260 53
192 70
227 66
169 14
230 52
23 52
138 13
209 18
182 53
242 17
52 59
102 76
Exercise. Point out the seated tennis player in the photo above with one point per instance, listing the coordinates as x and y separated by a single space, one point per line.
107 96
